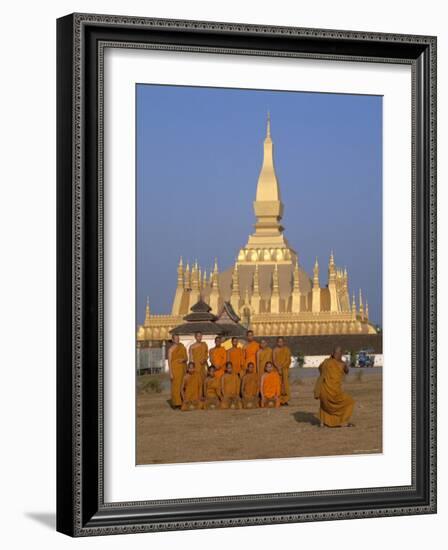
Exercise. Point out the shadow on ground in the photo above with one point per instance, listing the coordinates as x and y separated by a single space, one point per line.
307 417
48 519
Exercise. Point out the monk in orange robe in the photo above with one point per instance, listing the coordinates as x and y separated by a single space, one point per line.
218 357
250 388
250 351
270 387
212 389
230 389
191 391
264 355
177 363
282 361
198 354
336 407
235 356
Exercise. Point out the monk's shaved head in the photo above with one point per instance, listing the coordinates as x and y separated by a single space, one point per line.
337 352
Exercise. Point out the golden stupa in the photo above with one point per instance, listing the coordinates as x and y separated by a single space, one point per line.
266 287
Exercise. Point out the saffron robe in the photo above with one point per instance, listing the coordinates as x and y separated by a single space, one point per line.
263 357
218 357
230 389
192 388
236 357
178 365
250 390
270 387
282 360
212 392
199 355
336 407
250 354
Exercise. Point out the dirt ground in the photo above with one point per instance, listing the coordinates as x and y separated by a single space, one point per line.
165 435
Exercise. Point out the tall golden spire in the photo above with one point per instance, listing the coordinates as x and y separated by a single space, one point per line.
316 274
235 295
361 307
187 278
267 244
180 274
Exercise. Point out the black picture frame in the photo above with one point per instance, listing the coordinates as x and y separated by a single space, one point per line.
81 510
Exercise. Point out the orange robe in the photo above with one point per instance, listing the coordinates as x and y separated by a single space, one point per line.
212 392
282 361
336 407
271 387
250 354
199 355
236 357
178 364
250 390
192 386
218 357
230 389
263 357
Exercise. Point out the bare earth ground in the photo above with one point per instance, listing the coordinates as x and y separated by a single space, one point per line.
165 435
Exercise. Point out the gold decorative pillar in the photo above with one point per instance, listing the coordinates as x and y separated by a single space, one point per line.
214 292
295 301
275 296
235 295
256 297
316 289
175 310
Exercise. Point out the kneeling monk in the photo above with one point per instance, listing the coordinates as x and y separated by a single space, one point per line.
270 387
212 389
336 407
230 389
191 389
250 388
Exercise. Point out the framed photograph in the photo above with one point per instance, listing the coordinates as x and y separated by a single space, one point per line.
246 274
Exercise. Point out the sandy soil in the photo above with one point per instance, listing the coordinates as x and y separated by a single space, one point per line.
165 435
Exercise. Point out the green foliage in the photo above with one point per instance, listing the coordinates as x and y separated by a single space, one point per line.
353 358
300 359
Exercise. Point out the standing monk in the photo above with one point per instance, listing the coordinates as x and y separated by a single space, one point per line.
198 354
250 388
264 355
218 357
250 351
235 356
282 360
270 387
230 389
191 391
177 363
336 407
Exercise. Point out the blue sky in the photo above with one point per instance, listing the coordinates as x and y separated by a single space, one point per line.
199 153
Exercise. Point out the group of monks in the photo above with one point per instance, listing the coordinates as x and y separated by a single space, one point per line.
241 377
251 376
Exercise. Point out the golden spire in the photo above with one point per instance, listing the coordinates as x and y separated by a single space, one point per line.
187 277
316 274
268 126
204 280
200 277
235 280
361 307
180 274
147 313
331 268
354 305
296 282
195 277
367 310
215 275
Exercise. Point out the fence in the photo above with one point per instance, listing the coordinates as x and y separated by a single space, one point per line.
151 360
